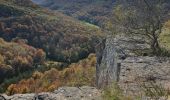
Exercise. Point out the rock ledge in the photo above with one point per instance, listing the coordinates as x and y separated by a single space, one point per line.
63 93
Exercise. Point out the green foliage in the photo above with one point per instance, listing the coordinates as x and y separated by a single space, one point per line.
31 73
163 52
113 92
6 11
17 57
140 19
14 79
154 90
63 38
97 12
77 74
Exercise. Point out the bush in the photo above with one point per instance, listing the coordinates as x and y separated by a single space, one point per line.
113 92
163 52
154 90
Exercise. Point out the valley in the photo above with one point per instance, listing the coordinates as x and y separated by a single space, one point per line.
84 49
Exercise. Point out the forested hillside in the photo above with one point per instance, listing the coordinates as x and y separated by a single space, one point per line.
17 57
33 37
96 12
61 37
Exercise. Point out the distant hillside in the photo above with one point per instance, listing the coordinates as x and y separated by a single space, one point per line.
93 11
61 37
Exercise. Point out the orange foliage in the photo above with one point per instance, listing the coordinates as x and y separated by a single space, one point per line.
77 74
63 38
17 57
167 24
40 56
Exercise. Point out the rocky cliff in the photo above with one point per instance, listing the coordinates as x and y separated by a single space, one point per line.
110 53
136 75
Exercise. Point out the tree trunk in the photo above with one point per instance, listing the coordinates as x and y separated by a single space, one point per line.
107 69
155 46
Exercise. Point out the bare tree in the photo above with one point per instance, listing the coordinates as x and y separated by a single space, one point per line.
144 18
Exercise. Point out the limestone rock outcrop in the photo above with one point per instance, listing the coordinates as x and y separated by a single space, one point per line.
136 74
141 73
63 93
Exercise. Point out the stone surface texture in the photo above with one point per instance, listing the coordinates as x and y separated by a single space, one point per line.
63 93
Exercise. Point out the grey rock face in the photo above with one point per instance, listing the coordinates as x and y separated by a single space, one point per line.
107 66
135 73
19 97
139 73
63 93
127 45
2 97
109 54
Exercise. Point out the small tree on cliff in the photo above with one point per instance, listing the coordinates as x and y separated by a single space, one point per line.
143 18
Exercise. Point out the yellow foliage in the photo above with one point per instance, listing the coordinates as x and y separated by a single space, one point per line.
167 24
25 90
37 75
17 57
52 87
11 89
165 36
77 74
1 59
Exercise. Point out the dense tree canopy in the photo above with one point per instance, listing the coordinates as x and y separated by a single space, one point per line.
17 57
